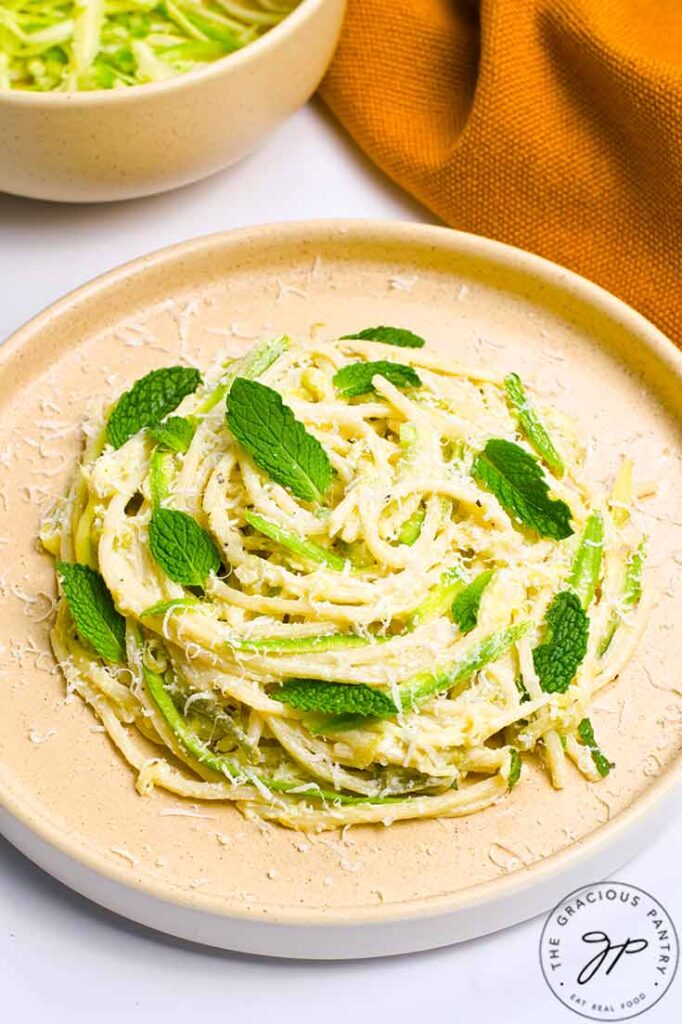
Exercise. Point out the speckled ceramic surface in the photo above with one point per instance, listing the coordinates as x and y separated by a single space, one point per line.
117 144
59 777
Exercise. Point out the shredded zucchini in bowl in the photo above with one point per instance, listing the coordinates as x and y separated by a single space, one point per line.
343 582
72 45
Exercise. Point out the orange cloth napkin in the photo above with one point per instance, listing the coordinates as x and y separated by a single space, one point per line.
555 125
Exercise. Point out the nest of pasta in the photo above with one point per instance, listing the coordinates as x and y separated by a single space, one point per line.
343 582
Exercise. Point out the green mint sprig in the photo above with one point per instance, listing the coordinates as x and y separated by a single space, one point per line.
179 546
399 336
559 657
356 378
149 400
277 442
517 481
93 611
174 434
335 698
531 425
467 603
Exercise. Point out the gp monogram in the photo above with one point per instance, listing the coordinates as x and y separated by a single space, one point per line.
609 951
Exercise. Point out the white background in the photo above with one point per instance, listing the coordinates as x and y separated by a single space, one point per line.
61 958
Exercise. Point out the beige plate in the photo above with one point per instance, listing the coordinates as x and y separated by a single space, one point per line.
202 871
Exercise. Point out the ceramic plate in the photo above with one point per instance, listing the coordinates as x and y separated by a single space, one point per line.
203 872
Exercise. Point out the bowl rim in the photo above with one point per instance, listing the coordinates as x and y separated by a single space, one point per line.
289 25
613 831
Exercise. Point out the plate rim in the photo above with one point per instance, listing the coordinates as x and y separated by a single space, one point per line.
484 894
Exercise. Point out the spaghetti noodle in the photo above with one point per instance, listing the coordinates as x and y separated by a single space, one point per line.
389 651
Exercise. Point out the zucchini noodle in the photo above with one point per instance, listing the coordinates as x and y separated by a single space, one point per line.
73 45
361 591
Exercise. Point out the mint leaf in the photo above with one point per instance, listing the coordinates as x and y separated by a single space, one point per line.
516 479
184 551
586 734
149 400
531 425
276 441
93 611
356 378
566 628
175 433
388 336
466 604
335 698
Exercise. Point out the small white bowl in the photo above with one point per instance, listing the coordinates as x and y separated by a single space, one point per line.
121 143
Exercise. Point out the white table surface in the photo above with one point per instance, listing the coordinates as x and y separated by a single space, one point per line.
61 958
